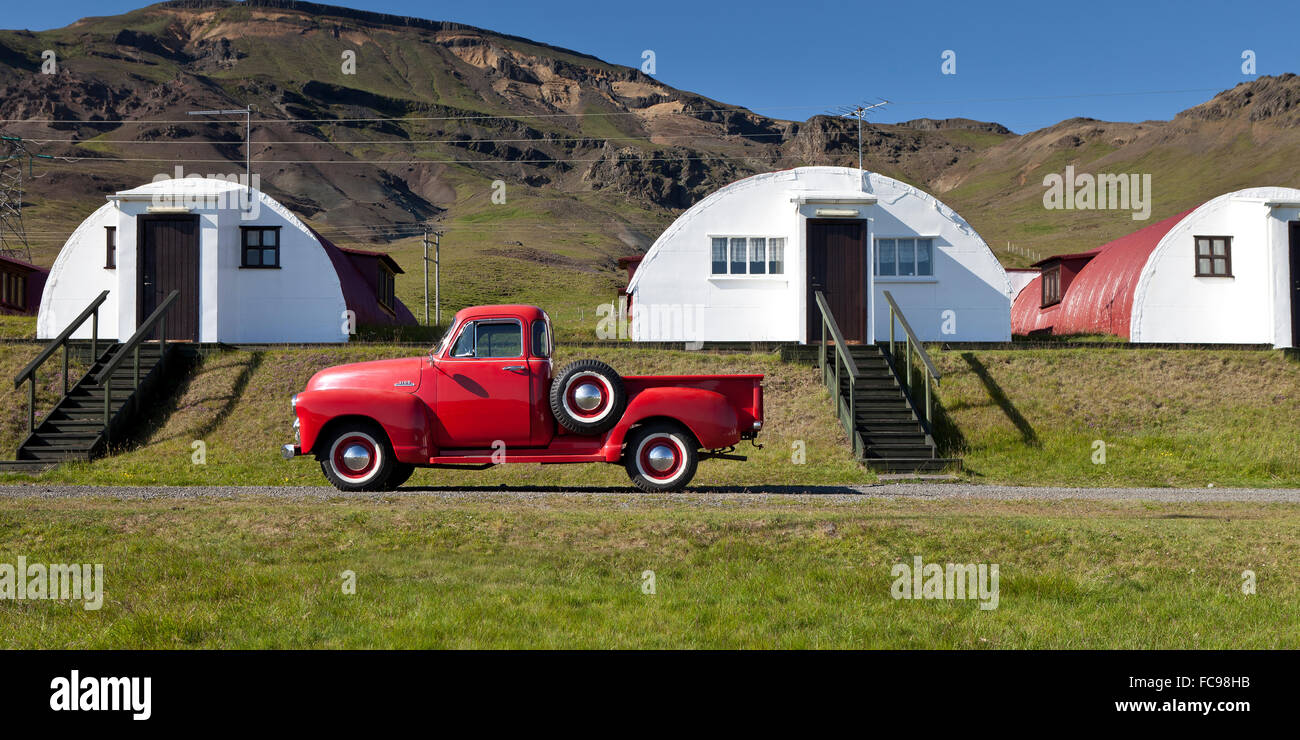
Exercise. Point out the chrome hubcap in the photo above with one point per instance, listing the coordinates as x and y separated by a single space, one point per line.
661 458
587 396
356 457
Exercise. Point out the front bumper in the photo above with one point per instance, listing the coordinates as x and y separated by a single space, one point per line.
289 452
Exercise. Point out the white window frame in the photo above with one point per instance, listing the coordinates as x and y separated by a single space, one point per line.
747 275
875 259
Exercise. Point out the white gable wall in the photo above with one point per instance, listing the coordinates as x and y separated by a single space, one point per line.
300 302
675 274
1253 306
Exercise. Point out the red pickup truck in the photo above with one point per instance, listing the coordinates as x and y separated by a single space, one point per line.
486 395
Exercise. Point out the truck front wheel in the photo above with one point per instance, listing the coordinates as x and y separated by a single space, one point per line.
660 457
357 457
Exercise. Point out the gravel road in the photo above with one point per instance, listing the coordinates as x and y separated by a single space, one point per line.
896 491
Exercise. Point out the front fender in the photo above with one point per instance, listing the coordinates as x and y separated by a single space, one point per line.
404 417
707 414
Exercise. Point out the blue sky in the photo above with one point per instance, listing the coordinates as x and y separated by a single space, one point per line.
1023 64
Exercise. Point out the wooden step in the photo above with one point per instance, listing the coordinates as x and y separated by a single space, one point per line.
914 464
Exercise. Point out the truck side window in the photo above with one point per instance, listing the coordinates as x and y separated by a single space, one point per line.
541 339
464 343
499 339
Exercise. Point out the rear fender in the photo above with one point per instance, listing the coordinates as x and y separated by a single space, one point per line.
403 416
707 414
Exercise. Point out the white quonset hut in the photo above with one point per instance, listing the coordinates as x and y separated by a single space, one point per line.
248 270
1225 272
744 263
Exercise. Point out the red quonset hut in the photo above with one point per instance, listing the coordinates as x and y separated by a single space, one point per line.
367 280
21 284
1088 292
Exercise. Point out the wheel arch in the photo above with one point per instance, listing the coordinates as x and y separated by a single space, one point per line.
707 415
327 431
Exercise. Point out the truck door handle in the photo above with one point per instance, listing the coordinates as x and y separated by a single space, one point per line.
515 368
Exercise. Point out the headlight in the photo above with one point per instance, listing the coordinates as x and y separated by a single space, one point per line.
293 404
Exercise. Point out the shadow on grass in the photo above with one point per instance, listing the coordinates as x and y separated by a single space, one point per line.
999 397
168 405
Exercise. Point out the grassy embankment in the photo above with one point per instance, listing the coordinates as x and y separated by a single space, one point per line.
1167 418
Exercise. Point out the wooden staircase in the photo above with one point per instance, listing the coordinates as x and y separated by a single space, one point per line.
888 433
889 429
75 429
101 407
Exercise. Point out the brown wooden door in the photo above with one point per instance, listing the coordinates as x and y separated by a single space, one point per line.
168 254
1295 283
837 266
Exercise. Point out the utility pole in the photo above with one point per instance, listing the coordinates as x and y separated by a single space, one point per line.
437 282
437 277
425 266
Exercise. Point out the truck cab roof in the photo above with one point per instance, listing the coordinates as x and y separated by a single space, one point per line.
523 311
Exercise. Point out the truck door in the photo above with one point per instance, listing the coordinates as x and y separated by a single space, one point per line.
484 387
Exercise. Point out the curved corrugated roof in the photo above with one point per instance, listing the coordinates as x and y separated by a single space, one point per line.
357 291
1100 298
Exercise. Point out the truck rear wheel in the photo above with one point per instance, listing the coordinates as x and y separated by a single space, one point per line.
587 397
661 457
357 457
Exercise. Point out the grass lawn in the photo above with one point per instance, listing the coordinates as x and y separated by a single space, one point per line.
492 571
1166 417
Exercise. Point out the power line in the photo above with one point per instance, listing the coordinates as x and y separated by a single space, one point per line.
176 160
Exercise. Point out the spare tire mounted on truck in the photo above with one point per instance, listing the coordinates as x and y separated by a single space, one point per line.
587 397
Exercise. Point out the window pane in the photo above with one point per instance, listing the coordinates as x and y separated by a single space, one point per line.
1220 266
738 256
924 266
885 257
268 238
719 255
541 347
253 257
776 256
268 257
757 256
500 340
252 238
464 343
906 256
1203 265
1202 246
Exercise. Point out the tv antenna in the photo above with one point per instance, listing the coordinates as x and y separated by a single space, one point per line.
859 112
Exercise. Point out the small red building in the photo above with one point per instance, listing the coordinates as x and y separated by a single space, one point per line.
21 284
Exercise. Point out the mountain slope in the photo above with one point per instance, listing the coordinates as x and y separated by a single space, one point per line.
593 159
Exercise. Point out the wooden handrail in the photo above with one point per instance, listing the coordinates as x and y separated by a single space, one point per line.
29 373
912 341
61 339
828 320
132 346
895 311
846 411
